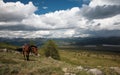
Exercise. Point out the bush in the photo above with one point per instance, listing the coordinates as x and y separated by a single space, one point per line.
50 50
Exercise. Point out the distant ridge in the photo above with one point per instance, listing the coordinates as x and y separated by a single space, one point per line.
76 41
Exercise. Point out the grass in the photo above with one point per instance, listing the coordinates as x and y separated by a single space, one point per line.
8 46
14 64
91 59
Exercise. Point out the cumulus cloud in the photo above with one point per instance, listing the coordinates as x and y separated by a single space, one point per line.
15 11
99 18
98 9
23 34
63 19
95 3
99 12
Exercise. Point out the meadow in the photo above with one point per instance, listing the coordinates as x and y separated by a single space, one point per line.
73 62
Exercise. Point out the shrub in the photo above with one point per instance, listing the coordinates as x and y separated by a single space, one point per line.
50 50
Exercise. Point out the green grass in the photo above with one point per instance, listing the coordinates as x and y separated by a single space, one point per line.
14 64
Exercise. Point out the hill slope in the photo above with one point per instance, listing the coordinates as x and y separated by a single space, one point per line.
72 63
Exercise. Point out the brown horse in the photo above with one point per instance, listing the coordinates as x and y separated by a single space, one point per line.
27 49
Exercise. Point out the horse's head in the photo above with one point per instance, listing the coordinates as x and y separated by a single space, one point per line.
35 50
25 46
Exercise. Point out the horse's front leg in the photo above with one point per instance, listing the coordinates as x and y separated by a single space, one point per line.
27 56
24 54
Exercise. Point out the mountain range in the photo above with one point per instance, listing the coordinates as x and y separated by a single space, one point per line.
78 41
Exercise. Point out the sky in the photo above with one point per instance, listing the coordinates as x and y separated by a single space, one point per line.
59 18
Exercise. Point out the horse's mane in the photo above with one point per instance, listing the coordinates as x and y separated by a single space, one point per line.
33 46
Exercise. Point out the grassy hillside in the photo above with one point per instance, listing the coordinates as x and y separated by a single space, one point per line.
91 58
12 63
7 45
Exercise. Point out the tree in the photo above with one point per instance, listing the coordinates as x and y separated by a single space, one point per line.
50 50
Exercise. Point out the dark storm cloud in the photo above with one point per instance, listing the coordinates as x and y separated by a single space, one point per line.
28 28
6 17
117 23
18 27
100 12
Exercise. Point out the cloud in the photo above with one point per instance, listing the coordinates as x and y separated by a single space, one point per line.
18 27
100 12
98 20
63 19
15 11
23 34
45 7
98 9
95 3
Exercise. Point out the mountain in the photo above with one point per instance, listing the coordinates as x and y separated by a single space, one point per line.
89 41
22 41
65 41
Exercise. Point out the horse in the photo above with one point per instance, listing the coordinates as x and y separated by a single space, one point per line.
19 49
26 49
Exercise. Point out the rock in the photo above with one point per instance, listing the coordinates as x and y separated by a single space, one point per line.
85 69
99 66
16 52
95 71
80 68
72 74
38 55
116 69
69 74
64 70
5 50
